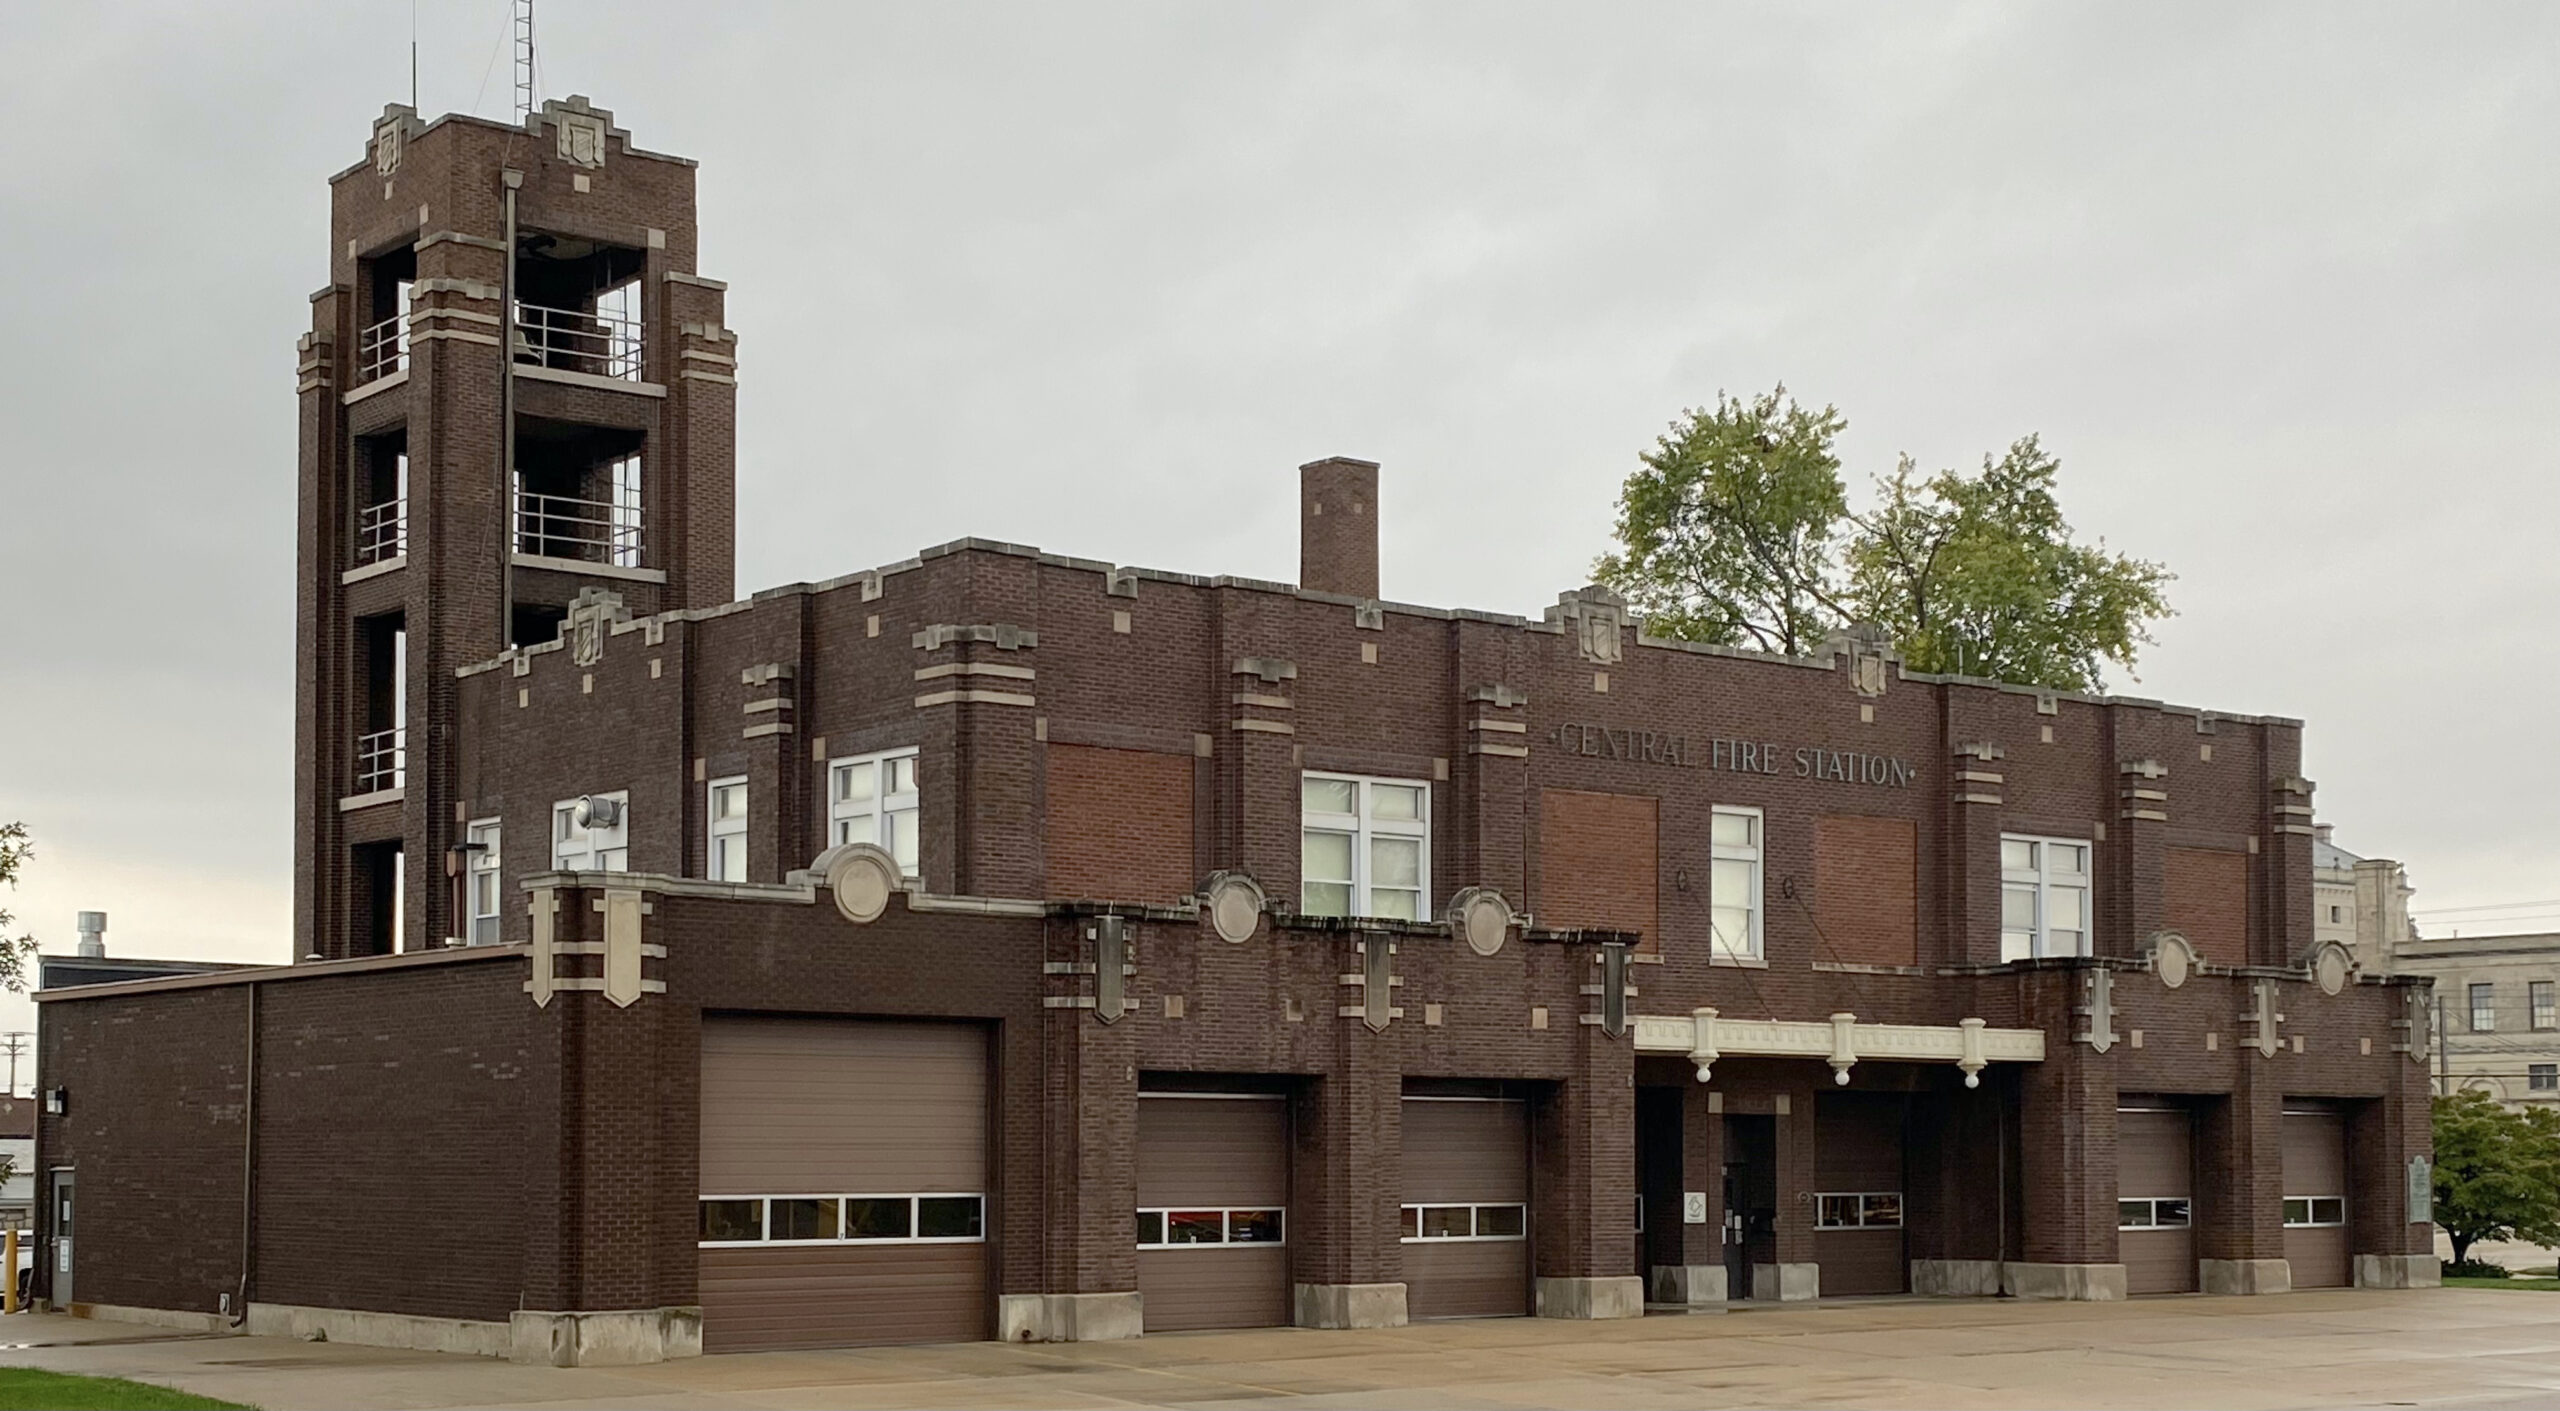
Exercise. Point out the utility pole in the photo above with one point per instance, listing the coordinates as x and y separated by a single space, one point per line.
14 1043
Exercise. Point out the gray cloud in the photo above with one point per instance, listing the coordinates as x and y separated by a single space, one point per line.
2277 282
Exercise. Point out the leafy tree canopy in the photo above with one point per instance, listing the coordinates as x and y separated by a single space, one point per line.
1736 530
2497 1172
15 849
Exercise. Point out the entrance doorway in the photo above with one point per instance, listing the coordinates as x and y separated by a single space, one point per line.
1660 1239
1750 1200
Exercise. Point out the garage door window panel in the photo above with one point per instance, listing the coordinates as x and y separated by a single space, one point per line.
1858 1210
1436 1223
859 1219
1194 1229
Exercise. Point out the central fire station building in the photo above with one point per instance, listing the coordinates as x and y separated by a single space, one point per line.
998 944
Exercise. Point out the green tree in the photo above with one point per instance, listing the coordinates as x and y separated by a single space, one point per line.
1736 530
1980 575
2497 1172
1728 532
15 849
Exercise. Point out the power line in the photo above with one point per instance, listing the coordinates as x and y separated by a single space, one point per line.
2486 906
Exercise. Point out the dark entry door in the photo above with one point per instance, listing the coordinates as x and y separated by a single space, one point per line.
1750 1199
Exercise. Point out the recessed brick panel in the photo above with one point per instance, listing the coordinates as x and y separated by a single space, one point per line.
2208 901
1866 889
1602 862
1119 824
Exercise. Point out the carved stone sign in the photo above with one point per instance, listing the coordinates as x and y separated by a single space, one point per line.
1732 756
2422 1191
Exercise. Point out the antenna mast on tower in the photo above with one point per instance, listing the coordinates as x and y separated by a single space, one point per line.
524 59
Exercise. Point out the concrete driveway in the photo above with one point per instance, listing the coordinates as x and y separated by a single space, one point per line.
2333 1348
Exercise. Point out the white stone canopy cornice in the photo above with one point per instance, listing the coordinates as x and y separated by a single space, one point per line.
1704 1037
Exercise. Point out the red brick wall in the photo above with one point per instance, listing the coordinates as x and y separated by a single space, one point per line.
1119 824
1601 862
1866 888
2208 900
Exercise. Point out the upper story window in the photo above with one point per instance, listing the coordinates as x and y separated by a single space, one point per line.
724 851
1733 903
872 798
2546 1015
2337 914
2044 897
2484 1008
592 834
481 881
1364 846
2542 1077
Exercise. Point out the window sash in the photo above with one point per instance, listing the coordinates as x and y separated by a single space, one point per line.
2314 1211
1735 910
2540 996
2156 1212
724 846
920 1210
2045 896
2484 1008
1857 1210
483 881
876 798
2542 1077
1386 834
576 849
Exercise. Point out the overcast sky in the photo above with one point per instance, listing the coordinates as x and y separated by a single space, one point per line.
2280 284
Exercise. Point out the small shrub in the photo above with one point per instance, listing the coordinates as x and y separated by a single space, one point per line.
2476 1269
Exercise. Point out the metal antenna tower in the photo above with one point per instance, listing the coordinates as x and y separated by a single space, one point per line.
524 59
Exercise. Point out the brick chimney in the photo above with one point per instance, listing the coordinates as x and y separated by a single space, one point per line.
1338 526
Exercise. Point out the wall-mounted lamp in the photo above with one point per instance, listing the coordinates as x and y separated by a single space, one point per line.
57 1101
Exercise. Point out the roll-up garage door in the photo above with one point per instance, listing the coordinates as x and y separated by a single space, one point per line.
1213 1195
2155 1189
2315 1197
1466 1207
844 1178
1857 1161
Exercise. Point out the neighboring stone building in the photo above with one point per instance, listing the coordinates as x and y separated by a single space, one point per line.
996 943
2497 997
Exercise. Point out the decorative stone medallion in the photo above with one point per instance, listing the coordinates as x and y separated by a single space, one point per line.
2331 967
1234 903
2173 958
861 876
1481 917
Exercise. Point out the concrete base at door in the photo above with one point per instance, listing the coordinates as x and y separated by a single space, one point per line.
1618 1297
2244 1275
620 1338
2398 1271
1070 1317
2078 1283
1696 1285
1786 1283
1956 1278
1349 1305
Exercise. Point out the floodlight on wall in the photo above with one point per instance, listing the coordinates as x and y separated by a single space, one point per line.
57 1101
597 812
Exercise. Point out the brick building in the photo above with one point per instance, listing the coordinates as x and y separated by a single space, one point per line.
999 944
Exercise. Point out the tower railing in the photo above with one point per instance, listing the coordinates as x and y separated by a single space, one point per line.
562 527
382 349
382 760
382 531
595 342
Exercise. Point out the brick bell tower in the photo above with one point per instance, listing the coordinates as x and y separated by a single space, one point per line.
515 388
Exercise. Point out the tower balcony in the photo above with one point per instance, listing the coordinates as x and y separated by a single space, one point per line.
576 530
382 761
382 349
602 341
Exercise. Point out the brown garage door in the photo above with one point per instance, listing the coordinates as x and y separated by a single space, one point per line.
1213 1195
1466 1207
2315 1197
2155 1187
1857 1163
843 1183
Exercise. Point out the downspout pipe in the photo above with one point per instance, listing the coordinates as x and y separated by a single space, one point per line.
512 181
248 1164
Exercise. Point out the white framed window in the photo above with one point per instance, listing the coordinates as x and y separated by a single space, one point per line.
1858 1210
2044 897
1364 846
724 848
2158 1212
2546 1014
841 1219
872 798
602 843
1165 1227
1434 1223
1733 882
480 881
2484 1008
2312 1210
